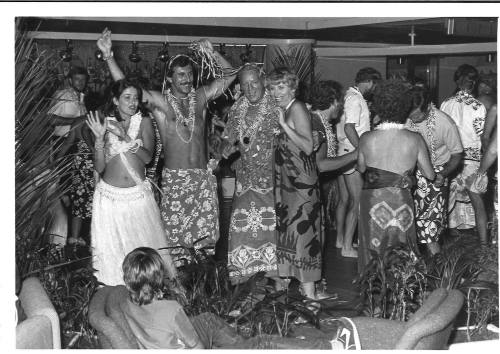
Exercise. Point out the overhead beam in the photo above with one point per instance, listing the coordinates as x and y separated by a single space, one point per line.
160 39
490 47
297 23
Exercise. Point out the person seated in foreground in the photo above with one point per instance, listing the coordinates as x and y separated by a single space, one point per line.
157 323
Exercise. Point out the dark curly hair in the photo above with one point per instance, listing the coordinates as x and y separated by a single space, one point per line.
466 76
324 93
420 97
392 101
367 74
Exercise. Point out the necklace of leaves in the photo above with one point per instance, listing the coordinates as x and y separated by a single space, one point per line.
430 124
331 141
247 134
186 121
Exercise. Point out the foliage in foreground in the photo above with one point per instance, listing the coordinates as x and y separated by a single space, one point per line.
395 284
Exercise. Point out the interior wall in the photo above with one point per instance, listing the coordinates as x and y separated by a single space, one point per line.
448 65
344 70
149 67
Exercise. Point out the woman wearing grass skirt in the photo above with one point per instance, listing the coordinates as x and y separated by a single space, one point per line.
124 212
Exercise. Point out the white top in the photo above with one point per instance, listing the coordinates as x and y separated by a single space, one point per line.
68 104
355 111
468 114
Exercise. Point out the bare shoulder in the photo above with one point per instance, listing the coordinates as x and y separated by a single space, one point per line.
298 108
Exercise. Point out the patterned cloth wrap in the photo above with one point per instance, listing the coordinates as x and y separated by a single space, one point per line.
298 212
386 216
430 208
190 211
461 213
82 182
252 239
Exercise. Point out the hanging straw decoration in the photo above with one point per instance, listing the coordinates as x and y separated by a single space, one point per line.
208 64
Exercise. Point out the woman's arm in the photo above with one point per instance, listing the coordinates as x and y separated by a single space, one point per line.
301 133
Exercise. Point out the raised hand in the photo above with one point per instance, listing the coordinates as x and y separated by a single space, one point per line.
98 128
104 42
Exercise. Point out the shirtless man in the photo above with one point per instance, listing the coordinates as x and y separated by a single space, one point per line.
189 202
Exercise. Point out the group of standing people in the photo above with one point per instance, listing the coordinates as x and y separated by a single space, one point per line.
277 212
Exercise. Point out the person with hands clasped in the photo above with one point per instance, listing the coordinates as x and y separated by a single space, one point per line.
124 212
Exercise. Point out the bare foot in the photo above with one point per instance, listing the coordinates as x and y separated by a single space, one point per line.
349 253
339 243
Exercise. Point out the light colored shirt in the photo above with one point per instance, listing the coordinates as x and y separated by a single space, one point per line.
162 324
443 132
469 115
356 112
68 104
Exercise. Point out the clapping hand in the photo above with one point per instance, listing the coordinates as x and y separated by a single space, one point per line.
104 42
94 123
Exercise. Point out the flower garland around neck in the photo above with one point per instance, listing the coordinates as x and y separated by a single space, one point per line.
389 125
179 117
331 141
246 133
430 124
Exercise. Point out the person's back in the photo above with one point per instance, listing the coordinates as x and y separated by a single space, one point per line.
391 150
161 324
155 322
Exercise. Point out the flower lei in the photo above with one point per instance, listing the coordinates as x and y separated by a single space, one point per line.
331 141
186 121
242 110
389 125
430 124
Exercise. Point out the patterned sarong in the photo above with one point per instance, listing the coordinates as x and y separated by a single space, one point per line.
190 211
252 245
461 213
430 208
386 216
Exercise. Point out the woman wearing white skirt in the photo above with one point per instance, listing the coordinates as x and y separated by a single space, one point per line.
124 212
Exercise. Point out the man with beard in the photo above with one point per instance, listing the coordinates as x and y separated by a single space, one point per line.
250 129
189 204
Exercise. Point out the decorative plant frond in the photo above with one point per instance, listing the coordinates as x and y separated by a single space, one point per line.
37 169
302 61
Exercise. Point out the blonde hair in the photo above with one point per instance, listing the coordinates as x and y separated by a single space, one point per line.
283 75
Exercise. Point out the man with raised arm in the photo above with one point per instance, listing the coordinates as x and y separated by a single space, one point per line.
189 205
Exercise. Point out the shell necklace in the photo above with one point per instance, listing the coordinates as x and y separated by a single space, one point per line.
331 141
186 121
247 133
